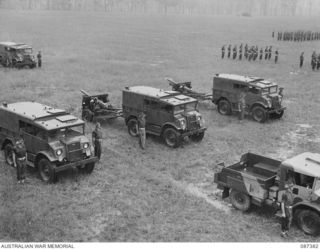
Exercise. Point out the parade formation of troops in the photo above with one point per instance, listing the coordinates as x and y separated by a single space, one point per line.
297 36
250 53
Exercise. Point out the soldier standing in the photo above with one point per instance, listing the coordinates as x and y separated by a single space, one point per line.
318 62
301 59
286 209
222 51
242 105
246 51
19 159
269 52
276 56
142 130
97 140
234 56
240 52
261 53
266 53
229 50
39 57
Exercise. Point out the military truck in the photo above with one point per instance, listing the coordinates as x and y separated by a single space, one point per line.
54 139
17 55
263 98
169 114
261 181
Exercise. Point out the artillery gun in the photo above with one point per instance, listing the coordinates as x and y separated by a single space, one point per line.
96 106
186 89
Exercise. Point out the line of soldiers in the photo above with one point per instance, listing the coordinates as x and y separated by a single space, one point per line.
297 36
315 60
250 53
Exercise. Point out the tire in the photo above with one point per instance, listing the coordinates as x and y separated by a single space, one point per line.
88 168
133 127
8 154
224 107
309 222
259 114
240 200
171 137
47 171
197 137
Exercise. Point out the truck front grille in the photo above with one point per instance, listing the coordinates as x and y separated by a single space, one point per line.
192 123
74 152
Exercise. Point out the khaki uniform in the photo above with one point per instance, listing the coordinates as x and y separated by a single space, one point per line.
97 141
242 105
19 154
142 130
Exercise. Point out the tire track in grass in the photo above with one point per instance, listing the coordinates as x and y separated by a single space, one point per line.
188 188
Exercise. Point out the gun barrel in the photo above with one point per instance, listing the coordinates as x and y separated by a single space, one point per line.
84 92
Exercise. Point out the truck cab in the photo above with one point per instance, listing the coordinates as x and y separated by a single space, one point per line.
55 140
169 114
17 55
263 98
261 181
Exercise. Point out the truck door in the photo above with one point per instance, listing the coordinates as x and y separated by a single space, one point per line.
303 185
153 117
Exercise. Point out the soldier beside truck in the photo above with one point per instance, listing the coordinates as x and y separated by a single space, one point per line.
258 180
55 140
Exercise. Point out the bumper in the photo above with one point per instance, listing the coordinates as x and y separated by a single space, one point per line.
75 164
189 133
276 110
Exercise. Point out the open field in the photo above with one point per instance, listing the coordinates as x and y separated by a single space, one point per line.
158 194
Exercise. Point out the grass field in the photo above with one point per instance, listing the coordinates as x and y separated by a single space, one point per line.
158 194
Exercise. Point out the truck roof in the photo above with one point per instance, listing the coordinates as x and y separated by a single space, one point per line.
168 97
250 80
15 45
306 163
46 117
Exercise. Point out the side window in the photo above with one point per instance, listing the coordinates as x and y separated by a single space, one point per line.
32 130
166 108
253 90
303 180
239 86
151 104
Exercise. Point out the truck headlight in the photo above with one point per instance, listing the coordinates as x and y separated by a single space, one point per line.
198 118
183 124
58 152
85 145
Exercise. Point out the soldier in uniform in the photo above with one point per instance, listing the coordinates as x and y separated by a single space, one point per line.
39 57
242 105
234 56
286 210
301 59
318 61
266 53
240 52
269 52
246 51
223 51
142 130
229 50
97 140
261 53
19 159
276 56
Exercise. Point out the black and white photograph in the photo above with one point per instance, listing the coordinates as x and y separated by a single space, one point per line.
159 121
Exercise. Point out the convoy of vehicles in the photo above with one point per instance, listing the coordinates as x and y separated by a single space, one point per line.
54 139
261 181
17 55
169 114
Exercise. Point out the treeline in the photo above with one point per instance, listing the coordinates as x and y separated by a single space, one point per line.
215 7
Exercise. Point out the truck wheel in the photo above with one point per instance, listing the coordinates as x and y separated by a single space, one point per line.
240 200
47 171
133 127
88 168
309 222
171 137
259 114
224 107
197 137
8 154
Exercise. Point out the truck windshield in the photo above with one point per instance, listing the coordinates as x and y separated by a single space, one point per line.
24 51
185 107
268 90
67 132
